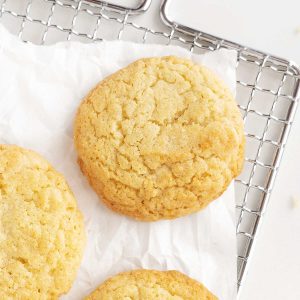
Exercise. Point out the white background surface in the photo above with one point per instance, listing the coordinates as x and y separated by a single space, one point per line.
271 26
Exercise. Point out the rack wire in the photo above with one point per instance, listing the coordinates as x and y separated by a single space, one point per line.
267 86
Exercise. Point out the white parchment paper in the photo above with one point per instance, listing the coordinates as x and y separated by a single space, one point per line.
40 90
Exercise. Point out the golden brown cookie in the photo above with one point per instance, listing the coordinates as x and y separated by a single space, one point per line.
160 138
41 230
151 285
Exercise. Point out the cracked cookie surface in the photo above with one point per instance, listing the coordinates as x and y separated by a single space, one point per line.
151 285
160 138
41 229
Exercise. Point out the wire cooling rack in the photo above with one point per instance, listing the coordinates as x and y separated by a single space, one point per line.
267 86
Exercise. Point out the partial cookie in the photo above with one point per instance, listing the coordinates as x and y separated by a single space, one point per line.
160 138
41 229
151 285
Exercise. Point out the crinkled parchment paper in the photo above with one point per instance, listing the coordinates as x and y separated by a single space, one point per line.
40 90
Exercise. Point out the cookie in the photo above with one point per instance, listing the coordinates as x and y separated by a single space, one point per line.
151 285
41 229
160 139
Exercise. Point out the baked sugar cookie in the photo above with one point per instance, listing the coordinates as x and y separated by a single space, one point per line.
160 139
151 285
41 230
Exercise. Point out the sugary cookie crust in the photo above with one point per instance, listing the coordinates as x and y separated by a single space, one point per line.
41 230
151 285
160 138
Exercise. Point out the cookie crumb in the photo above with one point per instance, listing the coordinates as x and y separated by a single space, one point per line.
297 31
295 201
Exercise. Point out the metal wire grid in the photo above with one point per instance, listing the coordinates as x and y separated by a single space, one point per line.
267 88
